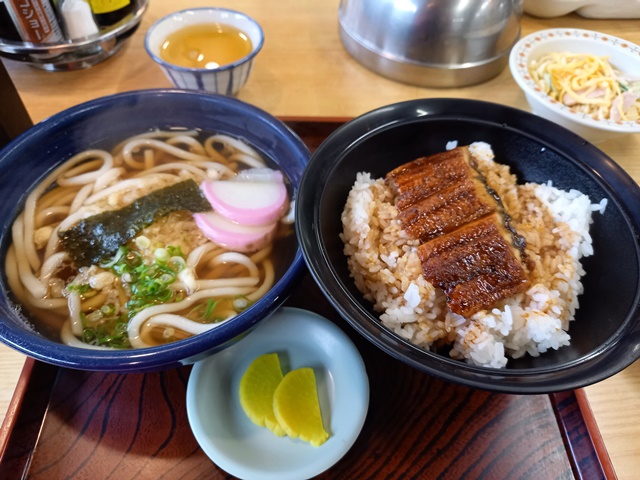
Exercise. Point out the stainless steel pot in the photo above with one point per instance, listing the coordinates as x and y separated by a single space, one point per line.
434 43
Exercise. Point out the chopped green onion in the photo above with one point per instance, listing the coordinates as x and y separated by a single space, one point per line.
94 316
175 251
195 310
165 295
168 333
177 263
110 336
161 254
80 288
241 303
203 311
116 258
211 306
148 283
142 242
166 278
108 309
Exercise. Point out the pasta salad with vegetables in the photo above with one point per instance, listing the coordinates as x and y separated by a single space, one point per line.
588 84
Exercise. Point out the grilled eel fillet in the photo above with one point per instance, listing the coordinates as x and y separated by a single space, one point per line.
469 248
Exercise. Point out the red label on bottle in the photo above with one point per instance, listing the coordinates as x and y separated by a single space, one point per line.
35 22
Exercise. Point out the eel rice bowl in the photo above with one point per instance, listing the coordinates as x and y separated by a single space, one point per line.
384 261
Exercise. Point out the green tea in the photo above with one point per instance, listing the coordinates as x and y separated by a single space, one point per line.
205 45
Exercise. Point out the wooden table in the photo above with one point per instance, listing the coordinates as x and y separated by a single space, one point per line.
303 71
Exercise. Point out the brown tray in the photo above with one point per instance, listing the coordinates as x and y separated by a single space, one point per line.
72 424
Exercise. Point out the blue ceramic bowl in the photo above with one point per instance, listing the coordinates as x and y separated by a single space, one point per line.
605 335
29 158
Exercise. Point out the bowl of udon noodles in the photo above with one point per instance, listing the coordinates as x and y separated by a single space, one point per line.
477 243
146 230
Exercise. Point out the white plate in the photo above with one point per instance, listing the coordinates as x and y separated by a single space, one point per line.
241 448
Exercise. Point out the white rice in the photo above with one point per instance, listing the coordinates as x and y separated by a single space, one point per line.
384 263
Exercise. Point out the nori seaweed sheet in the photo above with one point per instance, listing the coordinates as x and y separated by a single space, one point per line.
98 237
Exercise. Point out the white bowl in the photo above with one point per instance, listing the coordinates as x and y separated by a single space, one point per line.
247 451
226 79
624 55
585 8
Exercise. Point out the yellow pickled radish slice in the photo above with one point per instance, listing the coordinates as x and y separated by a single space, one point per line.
257 387
296 406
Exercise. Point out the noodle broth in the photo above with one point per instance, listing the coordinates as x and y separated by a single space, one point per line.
165 283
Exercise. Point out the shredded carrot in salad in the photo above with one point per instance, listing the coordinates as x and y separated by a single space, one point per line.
588 84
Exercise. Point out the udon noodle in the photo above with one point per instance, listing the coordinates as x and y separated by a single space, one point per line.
170 281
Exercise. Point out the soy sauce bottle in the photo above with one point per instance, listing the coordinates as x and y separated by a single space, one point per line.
8 30
109 12
35 20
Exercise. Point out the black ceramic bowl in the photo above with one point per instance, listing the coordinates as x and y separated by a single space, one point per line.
606 332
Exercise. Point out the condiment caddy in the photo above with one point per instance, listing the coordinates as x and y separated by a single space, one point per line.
66 34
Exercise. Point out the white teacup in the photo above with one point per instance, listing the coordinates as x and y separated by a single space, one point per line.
226 79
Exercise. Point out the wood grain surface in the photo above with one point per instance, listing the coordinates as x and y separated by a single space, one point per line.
83 425
302 70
